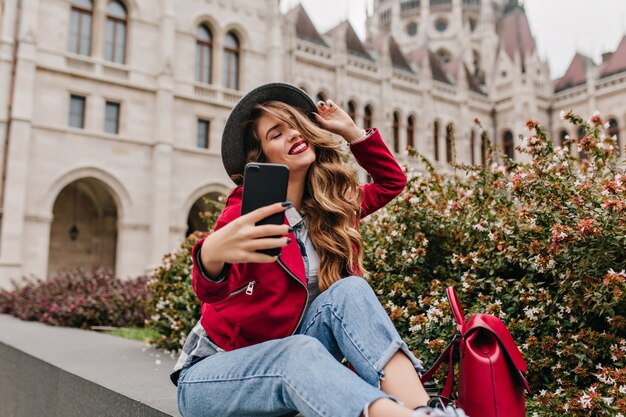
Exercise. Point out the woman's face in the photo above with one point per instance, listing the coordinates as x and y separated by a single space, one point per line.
283 144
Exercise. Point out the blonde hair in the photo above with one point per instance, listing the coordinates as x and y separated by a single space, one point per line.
332 196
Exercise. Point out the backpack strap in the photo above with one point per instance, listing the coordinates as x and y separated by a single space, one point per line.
457 310
449 350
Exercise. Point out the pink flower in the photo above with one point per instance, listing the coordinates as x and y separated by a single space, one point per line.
587 227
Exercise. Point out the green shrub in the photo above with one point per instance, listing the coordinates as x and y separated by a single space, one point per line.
542 244
78 298
174 308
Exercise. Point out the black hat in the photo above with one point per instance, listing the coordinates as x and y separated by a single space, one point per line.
233 138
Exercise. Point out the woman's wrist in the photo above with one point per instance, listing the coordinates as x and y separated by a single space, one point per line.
354 134
365 134
213 268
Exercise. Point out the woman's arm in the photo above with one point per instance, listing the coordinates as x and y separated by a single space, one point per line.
219 259
388 178
370 152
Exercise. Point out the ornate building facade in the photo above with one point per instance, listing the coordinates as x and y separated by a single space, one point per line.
111 111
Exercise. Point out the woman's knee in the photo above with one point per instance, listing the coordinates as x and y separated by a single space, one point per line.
303 345
301 351
351 288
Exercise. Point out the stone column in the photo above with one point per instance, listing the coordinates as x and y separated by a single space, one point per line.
7 27
98 29
132 249
162 150
37 228
12 233
275 53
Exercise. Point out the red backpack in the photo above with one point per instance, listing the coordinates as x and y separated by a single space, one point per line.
492 380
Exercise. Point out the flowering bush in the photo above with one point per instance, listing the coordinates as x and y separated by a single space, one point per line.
78 298
174 309
541 244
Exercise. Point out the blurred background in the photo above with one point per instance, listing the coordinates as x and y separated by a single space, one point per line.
111 111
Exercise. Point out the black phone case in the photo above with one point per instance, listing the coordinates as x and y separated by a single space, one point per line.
265 184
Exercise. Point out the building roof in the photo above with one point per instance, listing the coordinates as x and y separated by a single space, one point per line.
452 68
515 34
305 29
398 60
354 46
616 63
576 73
417 55
474 82
437 69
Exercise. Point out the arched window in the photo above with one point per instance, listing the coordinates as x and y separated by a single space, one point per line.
204 54
436 140
368 117
115 34
581 134
484 149
410 132
231 61
81 17
320 97
352 110
449 143
508 144
563 136
473 146
396 132
614 131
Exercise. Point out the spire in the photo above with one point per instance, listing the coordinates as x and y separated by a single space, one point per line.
512 5
515 33
305 29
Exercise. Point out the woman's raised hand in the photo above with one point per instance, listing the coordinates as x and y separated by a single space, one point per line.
334 119
238 241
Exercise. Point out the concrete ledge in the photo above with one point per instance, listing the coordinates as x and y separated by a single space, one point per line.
63 372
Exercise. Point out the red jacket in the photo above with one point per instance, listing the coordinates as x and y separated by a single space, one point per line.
260 302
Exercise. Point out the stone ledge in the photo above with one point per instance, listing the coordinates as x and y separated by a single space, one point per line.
63 372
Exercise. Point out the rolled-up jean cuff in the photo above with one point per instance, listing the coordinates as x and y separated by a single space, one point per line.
394 346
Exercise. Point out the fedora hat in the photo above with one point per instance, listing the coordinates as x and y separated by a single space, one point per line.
233 138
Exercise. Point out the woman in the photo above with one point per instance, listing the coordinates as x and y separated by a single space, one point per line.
274 329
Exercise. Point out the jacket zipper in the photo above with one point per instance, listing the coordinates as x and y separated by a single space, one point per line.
306 301
249 288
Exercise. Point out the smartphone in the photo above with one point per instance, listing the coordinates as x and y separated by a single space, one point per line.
265 184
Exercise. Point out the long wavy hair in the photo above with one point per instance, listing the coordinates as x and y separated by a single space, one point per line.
332 196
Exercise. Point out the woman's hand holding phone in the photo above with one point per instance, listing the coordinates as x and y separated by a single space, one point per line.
239 240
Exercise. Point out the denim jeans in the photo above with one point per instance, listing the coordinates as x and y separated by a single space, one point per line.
302 372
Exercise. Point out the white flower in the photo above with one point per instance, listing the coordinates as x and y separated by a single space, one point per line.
532 312
607 400
562 115
585 401
622 389
479 227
